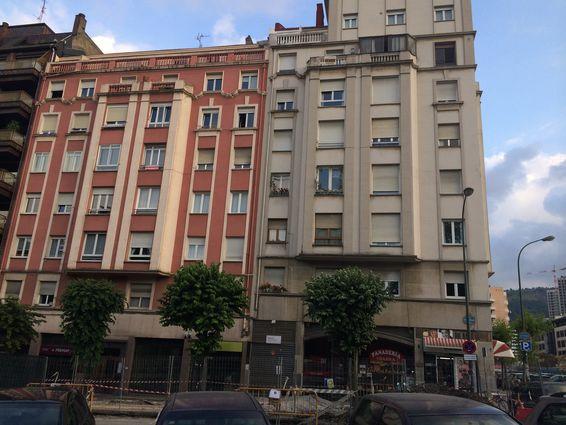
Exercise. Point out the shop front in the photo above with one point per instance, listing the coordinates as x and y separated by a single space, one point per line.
444 362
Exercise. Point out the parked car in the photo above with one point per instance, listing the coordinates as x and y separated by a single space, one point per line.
212 408
425 409
44 406
558 378
549 411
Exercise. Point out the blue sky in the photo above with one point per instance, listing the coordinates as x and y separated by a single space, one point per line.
521 52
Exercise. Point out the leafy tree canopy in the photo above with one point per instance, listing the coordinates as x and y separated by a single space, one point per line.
17 325
503 332
536 325
89 307
344 305
204 301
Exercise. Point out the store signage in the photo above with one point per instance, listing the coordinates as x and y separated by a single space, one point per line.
54 350
386 356
273 339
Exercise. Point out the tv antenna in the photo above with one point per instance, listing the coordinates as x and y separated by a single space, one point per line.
200 37
42 12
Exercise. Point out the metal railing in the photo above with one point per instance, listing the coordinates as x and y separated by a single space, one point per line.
286 402
16 96
7 177
343 60
300 37
12 136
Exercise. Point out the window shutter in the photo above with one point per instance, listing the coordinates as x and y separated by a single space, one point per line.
331 132
386 228
450 181
385 127
390 276
57 86
117 113
142 240
386 178
140 290
386 90
449 131
243 156
287 62
65 199
234 248
274 275
80 120
283 124
447 91
49 123
47 288
328 221
331 85
283 140
453 277
285 96
206 156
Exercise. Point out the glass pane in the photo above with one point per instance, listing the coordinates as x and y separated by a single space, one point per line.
450 290
337 179
323 174
100 244
206 199
154 200
89 244
448 232
458 232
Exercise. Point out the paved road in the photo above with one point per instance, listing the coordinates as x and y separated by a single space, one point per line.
123 420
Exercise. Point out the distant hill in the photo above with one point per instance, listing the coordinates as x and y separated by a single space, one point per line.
534 300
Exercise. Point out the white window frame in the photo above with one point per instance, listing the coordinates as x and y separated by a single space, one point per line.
199 203
388 284
216 78
114 123
332 169
247 111
147 208
139 305
140 253
212 115
67 208
101 202
93 256
443 10
89 90
251 79
154 156
50 299
23 246
50 92
277 188
453 224
457 286
33 201
73 160
335 99
40 162
196 248
162 115
108 166
276 235
239 204
56 247
398 16
350 21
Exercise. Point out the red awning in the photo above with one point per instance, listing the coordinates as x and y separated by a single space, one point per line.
502 350
450 343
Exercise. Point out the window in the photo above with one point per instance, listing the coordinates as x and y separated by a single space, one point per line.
332 93
49 124
445 53
94 246
455 286
234 249
108 157
350 21
148 199
448 135
102 200
64 203
274 276
331 134
56 90
450 182
213 82
386 90
443 14
169 78
154 157
249 81
116 115
285 100
386 179
24 244
56 248
452 232
239 203
72 162
385 131
205 159
40 162
140 246
201 202
391 282
243 158
446 91
554 413
276 230
32 204
140 295
387 44
386 230
87 88
160 116
246 117
13 289
210 118
46 296
129 79
329 179
282 140
287 62
196 249
80 123
395 17
328 229
280 184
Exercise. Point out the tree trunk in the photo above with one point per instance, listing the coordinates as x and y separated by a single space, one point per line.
350 382
203 374
186 365
356 360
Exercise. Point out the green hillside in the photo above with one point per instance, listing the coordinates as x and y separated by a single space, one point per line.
534 300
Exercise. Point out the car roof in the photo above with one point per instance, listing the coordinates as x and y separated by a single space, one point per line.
35 394
414 404
213 400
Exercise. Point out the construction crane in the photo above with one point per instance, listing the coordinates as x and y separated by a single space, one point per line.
42 12
200 37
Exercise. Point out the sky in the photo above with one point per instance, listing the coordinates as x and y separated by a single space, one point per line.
521 56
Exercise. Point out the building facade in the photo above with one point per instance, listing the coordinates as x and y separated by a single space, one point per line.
499 304
553 303
24 53
373 130
138 164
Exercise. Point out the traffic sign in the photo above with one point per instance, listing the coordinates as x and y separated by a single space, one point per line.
470 357
469 347
524 336
469 320
526 346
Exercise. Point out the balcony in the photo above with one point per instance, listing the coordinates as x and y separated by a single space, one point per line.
3 219
20 69
7 183
385 58
299 36
15 103
11 146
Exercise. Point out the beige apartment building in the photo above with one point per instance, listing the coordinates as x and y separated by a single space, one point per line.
499 304
373 130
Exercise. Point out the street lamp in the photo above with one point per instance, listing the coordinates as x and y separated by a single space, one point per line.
549 238
466 194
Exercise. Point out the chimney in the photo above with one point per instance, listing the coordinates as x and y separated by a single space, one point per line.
79 26
249 40
279 27
319 15
4 29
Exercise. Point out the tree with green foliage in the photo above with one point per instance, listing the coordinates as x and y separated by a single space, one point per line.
17 325
89 307
502 331
345 304
535 324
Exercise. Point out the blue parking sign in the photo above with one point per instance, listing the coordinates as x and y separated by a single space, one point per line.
526 346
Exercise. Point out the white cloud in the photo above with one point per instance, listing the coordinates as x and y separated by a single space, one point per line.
108 44
224 32
27 12
494 160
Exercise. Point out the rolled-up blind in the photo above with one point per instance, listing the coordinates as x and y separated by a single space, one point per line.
117 113
331 131
49 123
283 124
234 248
446 91
142 240
386 228
80 120
243 156
451 181
328 221
287 62
386 178
285 96
331 85
386 90
47 288
283 140
449 131
206 156
385 127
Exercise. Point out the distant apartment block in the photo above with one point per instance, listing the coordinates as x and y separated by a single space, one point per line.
553 303
499 304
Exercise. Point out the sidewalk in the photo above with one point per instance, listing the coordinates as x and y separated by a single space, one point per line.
135 408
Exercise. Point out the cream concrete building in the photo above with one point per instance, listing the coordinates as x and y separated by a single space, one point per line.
499 304
374 131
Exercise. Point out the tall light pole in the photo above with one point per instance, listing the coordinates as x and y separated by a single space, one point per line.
523 328
466 194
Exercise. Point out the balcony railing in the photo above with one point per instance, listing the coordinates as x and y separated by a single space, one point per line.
12 136
300 36
369 58
16 96
20 64
7 177
163 86
119 88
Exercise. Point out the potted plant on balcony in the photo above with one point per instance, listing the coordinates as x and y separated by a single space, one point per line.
13 125
268 288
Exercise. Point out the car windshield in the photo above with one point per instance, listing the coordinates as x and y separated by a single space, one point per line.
30 413
213 418
463 420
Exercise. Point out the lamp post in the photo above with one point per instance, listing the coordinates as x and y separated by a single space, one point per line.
466 194
523 328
